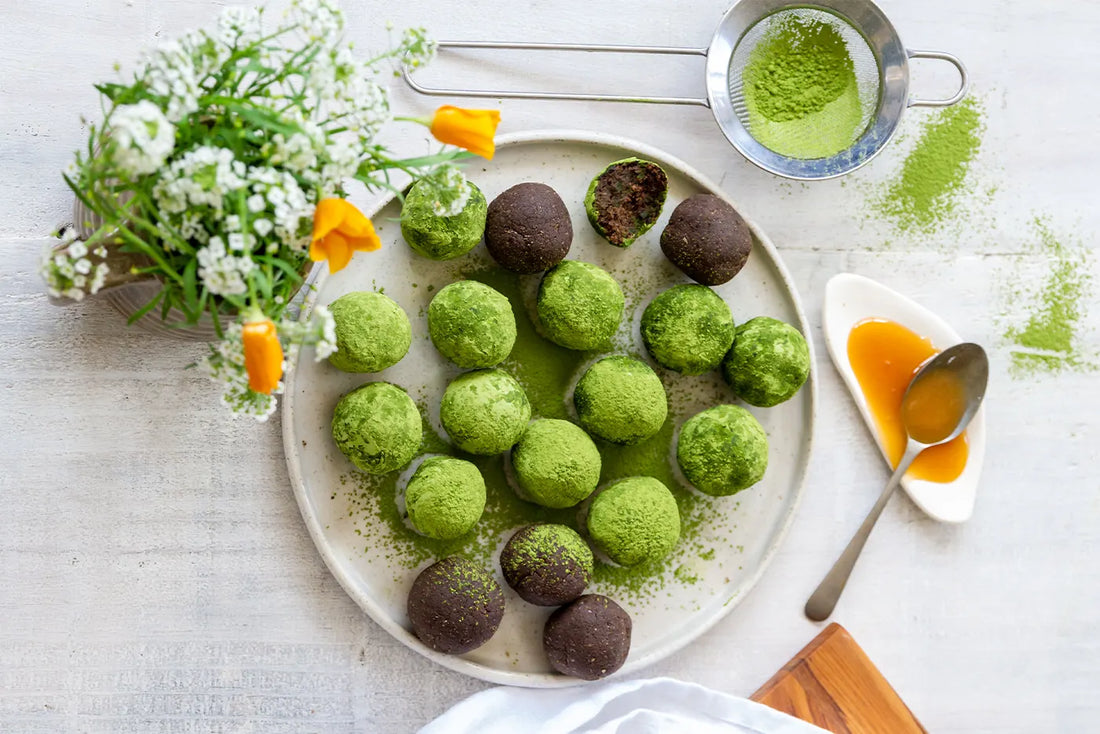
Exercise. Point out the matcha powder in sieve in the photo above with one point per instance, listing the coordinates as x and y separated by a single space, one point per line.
800 89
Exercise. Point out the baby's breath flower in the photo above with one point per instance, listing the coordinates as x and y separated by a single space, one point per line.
239 26
223 274
451 191
141 138
416 48
224 143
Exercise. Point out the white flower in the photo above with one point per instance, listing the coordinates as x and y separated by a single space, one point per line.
263 227
170 72
222 273
326 343
77 249
416 48
142 138
452 191
200 177
236 241
256 204
239 26
83 266
321 20
99 277
296 152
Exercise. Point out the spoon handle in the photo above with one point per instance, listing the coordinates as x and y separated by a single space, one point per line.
822 602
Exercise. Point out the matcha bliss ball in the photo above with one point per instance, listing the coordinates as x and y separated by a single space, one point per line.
484 412
372 332
445 497
621 400
768 363
471 324
377 426
580 305
634 521
438 237
688 329
556 464
722 450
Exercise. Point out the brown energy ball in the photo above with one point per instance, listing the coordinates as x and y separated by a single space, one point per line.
589 638
455 606
548 565
528 229
707 239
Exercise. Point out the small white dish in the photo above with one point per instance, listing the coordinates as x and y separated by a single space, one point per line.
850 299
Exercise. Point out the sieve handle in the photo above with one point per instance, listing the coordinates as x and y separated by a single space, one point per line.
406 72
964 79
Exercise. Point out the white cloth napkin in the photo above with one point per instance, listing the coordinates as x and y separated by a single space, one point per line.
654 706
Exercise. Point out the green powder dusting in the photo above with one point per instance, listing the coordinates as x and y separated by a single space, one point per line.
1048 340
546 372
926 192
800 90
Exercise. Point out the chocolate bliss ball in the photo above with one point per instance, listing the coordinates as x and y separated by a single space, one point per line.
528 229
589 639
548 565
707 239
455 606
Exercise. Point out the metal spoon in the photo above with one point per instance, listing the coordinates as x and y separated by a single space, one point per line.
969 365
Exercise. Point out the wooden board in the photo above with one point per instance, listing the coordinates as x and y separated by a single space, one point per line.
833 684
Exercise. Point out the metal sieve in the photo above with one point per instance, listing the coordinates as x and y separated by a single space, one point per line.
879 60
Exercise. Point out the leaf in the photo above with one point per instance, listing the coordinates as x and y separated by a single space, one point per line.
146 308
190 290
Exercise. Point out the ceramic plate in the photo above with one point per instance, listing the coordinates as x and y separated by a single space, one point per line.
727 541
850 299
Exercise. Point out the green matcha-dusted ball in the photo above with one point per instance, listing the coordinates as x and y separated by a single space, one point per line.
768 363
621 400
445 497
471 324
438 237
377 426
722 450
634 521
372 332
485 412
556 464
580 306
688 328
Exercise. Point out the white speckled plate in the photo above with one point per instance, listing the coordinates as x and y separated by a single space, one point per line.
717 561
850 299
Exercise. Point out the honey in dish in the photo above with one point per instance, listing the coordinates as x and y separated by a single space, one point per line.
884 356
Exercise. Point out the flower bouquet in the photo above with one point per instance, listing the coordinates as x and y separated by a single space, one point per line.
220 172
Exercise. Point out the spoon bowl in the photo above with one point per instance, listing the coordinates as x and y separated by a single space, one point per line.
950 388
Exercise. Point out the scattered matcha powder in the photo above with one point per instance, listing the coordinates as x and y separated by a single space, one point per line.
1048 341
547 373
926 192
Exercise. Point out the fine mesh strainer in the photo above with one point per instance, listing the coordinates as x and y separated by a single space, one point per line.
834 135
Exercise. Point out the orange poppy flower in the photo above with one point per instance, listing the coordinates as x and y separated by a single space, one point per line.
339 230
263 355
469 129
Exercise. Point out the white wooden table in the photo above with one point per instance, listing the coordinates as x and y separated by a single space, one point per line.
155 575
